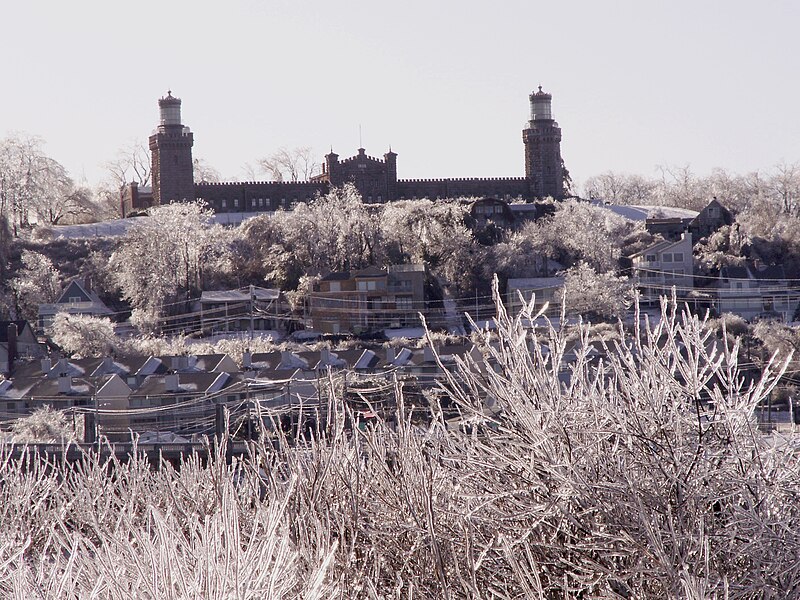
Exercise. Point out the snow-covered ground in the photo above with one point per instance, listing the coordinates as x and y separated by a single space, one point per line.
119 227
643 212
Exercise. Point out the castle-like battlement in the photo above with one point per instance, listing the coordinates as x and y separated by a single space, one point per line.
357 157
464 180
233 184
374 177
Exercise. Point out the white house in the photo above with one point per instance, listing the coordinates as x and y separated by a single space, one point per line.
542 290
756 293
76 299
663 265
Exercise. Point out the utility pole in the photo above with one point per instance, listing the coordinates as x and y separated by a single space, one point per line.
252 307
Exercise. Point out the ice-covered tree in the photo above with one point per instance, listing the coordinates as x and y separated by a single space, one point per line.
593 294
37 282
83 335
33 186
163 258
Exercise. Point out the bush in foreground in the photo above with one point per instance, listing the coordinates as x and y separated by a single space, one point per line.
638 474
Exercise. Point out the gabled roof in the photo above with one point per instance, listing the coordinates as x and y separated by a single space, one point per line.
76 289
368 360
371 271
661 246
535 283
21 325
188 383
773 274
336 276
151 366
240 295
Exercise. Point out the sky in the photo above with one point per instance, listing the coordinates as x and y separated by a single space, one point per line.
635 84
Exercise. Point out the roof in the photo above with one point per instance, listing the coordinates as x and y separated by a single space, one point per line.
642 212
371 271
21 324
535 283
772 273
662 245
240 295
336 276
188 383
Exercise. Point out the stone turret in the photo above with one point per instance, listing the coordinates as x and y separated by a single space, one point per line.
542 138
171 151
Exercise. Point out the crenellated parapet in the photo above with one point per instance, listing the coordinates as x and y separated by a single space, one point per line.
374 177
258 196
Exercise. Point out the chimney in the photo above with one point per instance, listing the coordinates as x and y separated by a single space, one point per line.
171 382
107 366
391 355
64 384
12 346
47 364
325 357
61 367
427 354
247 359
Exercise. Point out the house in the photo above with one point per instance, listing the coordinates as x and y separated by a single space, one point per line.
206 363
670 228
491 211
488 211
178 402
369 300
754 293
255 308
672 223
17 343
662 266
710 219
542 290
76 299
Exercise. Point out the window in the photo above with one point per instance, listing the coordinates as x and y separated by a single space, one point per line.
236 203
253 203
666 257
404 303
678 256
650 258
335 286
223 203
364 286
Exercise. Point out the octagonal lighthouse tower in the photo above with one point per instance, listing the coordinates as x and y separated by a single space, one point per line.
171 153
542 139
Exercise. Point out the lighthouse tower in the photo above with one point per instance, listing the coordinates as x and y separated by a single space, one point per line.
542 139
171 151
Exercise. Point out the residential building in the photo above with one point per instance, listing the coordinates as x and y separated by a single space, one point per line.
542 290
17 343
713 216
76 299
662 266
369 300
755 294
256 308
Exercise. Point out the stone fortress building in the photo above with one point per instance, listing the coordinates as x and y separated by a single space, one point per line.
375 178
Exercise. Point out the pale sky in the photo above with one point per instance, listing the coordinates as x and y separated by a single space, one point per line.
635 83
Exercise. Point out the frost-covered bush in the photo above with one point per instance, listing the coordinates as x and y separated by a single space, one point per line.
636 472
44 426
84 335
